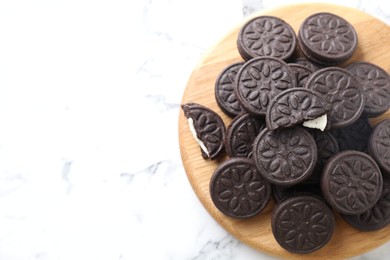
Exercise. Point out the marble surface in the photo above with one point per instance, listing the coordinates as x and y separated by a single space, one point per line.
89 102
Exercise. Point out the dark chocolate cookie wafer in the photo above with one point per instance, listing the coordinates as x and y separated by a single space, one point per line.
207 128
351 182
342 91
224 90
261 79
327 39
302 224
301 72
285 156
355 136
327 146
296 106
280 193
238 190
379 145
266 36
312 66
377 217
376 86
240 135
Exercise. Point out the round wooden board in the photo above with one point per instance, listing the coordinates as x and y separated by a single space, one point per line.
374 46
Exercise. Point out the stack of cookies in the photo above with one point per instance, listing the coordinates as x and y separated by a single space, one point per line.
300 131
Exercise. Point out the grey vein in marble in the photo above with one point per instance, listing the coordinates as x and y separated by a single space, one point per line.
65 174
162 168
221 249
145 70
251 6
161 103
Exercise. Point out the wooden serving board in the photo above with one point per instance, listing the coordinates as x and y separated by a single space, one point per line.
374 46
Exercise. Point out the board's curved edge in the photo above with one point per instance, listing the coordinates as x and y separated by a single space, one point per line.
185 157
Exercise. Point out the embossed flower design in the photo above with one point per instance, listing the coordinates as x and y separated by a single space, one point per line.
294 107
262 81
354 184
376 85
304 226
224 90
268 37
339 90
227 90
383 144
285 156
243 140
208 128
329 34
302 75
240 189
380 211
375 218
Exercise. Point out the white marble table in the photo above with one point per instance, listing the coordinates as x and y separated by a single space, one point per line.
89 103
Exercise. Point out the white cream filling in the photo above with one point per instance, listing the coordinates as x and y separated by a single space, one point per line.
319 122
193 131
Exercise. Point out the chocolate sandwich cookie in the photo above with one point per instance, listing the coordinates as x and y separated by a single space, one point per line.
312 66
238 190
327 39
302 224
259 80
301 73
351 182
375 218
376 86
207 128
280 193
327 146
285 156
241 133
224 90
379 145
342 91
266 36
355 136
296 106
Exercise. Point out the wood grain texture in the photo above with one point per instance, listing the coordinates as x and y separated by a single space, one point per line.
374 46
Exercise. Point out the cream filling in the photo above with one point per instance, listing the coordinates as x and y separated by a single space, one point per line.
319 122
193 131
